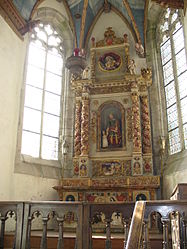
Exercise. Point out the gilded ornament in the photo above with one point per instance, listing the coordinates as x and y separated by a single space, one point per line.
77 134
146 127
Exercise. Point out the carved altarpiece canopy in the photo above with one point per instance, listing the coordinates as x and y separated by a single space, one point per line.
112 133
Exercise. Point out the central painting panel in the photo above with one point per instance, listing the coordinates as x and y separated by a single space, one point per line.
111 126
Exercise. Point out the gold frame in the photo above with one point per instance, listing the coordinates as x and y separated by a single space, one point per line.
112 71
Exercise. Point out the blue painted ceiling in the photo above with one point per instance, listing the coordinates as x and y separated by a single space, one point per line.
76 6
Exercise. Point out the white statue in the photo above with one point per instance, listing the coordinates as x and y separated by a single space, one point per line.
132 67
139 49
86 73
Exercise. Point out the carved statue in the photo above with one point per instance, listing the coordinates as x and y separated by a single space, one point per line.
86 73
139 49
146 73
132 67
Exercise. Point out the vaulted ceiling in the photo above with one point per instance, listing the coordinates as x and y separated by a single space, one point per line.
83 13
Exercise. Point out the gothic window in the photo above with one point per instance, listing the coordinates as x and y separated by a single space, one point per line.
174 68
43 86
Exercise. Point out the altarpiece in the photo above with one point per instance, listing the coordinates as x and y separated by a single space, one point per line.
112 131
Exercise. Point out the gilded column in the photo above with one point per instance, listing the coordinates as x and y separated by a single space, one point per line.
77 137
146 128
85 122
136 126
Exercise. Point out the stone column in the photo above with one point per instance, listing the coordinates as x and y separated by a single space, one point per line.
77 133
146 128
136 126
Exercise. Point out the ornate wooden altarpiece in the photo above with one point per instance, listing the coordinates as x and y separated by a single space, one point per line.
112 133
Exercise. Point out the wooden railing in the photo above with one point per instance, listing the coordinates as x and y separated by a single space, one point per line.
167 210
86 215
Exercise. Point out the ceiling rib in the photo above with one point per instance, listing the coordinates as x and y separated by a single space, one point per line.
83 23
127 6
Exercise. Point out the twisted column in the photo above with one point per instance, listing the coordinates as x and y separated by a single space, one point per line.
77 137
136 127
146 128
85 123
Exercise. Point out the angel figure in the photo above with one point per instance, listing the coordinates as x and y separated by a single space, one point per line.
132 67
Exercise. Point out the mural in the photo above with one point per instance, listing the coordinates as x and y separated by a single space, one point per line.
137 166
107 196
110 62
110 123
111 168
83 170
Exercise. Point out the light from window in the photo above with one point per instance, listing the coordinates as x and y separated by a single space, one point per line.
41 119
174 65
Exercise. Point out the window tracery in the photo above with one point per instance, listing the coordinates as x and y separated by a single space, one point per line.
43 86
174 71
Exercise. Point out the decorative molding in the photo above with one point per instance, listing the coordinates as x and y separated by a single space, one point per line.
12 16
135 182
109 39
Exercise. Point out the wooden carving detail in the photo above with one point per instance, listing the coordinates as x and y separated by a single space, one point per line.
146 129
109 39
92 69
129 124
136 127
85 125
93 125
77 138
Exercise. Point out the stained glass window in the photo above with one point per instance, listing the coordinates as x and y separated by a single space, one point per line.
174 65
43 83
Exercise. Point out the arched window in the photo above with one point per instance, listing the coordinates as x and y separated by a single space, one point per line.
174 69
43 86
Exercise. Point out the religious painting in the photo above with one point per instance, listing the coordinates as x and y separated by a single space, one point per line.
111 126
136 166
110 62
141 195
111 168
83 167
